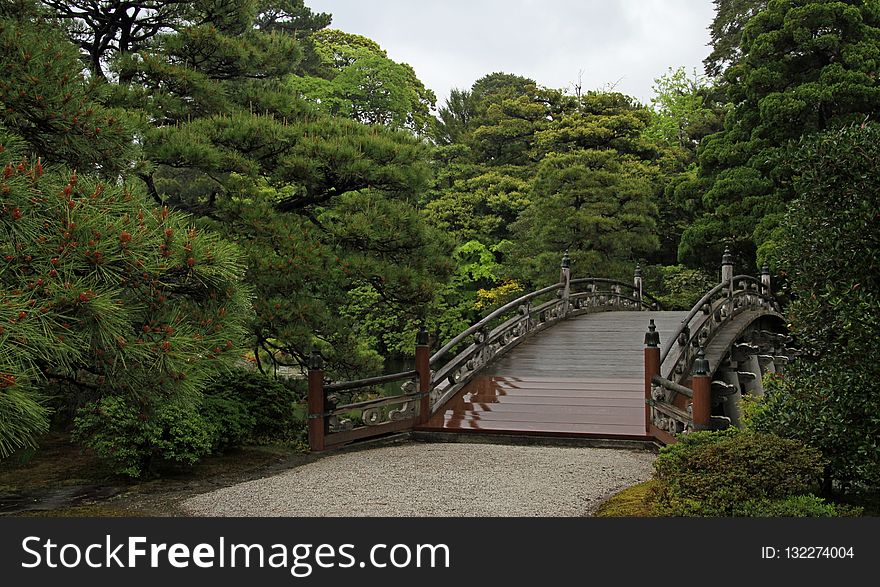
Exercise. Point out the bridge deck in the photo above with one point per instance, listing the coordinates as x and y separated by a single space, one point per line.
582 377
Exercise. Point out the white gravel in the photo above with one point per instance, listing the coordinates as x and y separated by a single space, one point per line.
437 479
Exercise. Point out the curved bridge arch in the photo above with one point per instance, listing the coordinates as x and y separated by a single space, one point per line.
568 360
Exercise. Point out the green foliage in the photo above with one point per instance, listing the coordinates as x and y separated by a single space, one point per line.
261 409
677 287
45 100
298 190
795 506
806 66
480 207
102 291
718 473
828 250
231 420
133 438
357 80
731 17
595 204
683 110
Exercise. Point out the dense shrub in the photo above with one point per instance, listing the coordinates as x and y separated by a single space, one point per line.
228 415
275 406
133 438
829 248
716 473
678 287
795 506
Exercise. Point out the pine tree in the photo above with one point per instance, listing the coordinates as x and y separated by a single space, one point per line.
103 292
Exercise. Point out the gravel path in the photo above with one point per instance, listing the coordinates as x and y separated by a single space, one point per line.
437 479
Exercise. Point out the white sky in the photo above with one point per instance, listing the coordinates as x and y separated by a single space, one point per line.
452 43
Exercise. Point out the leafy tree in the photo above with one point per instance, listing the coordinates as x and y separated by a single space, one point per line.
684 111
807 66
828 248
356 79
482 207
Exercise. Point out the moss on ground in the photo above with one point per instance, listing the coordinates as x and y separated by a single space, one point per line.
632 502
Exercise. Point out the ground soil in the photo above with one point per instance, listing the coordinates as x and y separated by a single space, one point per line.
62 479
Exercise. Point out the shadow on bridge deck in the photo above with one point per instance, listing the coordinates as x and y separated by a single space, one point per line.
582 377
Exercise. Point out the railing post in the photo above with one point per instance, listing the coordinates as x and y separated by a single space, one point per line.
765 281
316 402
423 367
727 271
637 285
701 384
565 279
652 367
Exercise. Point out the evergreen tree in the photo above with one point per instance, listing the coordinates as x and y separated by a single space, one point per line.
102 292
295 187
807 66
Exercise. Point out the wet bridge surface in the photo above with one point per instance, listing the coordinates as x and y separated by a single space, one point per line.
582 377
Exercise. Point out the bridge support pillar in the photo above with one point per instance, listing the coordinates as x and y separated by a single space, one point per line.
652 368
701 384
423 367
317 419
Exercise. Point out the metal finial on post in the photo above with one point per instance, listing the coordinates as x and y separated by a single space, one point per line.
652 337
422 336
316 361
701 363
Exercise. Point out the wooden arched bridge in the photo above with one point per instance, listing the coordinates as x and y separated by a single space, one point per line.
583 357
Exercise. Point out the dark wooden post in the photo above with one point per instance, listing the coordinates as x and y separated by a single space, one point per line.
316 402
652 367
701 384
637 285
727 271
423 366
565 279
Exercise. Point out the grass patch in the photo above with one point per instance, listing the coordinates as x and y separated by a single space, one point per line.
632 502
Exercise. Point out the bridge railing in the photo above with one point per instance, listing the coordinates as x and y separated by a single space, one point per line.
338 412
683 358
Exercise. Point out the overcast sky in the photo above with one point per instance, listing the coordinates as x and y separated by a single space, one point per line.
452 43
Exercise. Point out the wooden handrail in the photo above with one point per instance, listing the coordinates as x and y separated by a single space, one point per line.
499 312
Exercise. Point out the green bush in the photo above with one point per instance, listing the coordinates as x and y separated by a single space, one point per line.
133 438
230 418
275 406
677 287
795 506
716 473
829 250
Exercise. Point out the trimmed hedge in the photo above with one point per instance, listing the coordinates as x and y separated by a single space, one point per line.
733 473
